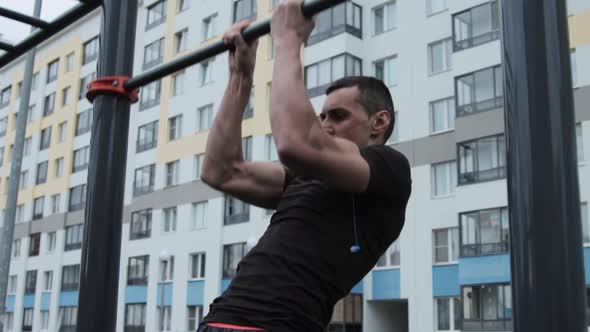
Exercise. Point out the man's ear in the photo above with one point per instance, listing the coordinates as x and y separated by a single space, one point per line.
380 122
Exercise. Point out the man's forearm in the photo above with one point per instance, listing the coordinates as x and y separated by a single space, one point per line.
224 146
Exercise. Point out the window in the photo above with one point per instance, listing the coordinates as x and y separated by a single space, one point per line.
66 96
70 277
447 311
482 160
51 238
77 198
347 314
23 180
199 215
444 178
574 67
197 265
479 91
52 69
232 255
27 147
150 95
68 316
59 167
141 224
387 70
12 283
3 125
44 319
164 318
167 269
147 136
55 198
34 244
440 56
175 127
476 26
199 165
138 270
38 205
153 53
69 62
62 131
30 282
271 148
247 147
5 96
49 104
172 172
236 211
249 112
584 217
484 232
244 10
90 51
16 248
204 117
207 71
169 219
436 6
83 122
180 40
27 320
84 81
384 18
20 212
41 173
2 156
47 281
8 320
74 236
442 115
135 317
19 89
182 5
45 138
345 17
156 14
35 81
178 83
391 257
144 180
487 305
209 27
31 115
318 76
445 245
81 157
194 315
579 142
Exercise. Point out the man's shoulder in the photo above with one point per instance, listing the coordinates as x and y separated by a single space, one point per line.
386 152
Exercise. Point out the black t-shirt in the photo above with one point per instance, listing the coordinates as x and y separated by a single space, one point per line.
302 265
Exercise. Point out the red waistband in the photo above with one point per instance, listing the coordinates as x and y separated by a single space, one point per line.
235 327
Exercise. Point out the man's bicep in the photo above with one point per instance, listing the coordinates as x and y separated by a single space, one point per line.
256 183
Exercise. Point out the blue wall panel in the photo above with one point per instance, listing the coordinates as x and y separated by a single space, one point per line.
29 301
45 300
195 292
67 299
386 284
10 303
224 284
165 290
136 294
587 265
445 280
358 288
484 269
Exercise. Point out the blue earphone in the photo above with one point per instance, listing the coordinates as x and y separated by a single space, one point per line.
356 247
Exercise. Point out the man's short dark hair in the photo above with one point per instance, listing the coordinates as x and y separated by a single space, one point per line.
374 96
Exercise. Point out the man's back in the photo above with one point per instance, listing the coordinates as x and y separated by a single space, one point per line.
303 264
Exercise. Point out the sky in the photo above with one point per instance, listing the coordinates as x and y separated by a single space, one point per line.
13 31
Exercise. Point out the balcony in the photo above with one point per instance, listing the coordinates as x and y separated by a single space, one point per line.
487 325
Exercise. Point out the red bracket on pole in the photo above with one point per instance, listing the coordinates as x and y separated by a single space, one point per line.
111 85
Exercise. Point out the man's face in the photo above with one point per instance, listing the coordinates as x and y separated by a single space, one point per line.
343 116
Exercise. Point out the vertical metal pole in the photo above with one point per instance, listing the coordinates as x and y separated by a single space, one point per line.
7 231
546 238
99 273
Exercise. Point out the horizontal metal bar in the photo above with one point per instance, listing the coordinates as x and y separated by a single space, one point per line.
23 18
7 47
55 27
254 31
